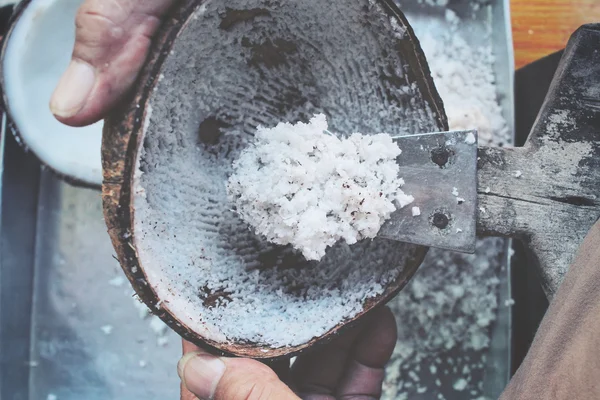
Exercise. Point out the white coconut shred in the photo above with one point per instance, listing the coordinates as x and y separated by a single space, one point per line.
300 185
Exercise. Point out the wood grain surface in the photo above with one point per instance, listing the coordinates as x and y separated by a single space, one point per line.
541 27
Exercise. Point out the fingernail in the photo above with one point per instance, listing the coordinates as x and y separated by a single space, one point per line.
201 373
73 89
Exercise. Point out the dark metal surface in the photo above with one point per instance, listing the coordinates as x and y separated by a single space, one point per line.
17 254
440 171
18 193
87 339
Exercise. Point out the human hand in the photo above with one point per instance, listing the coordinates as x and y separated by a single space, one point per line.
112 42
350 367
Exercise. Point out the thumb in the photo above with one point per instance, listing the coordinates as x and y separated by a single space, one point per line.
111 44
221 378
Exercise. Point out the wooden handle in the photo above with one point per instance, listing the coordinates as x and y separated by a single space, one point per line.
531 194
547 193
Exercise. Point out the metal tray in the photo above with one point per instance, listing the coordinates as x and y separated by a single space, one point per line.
59 302
487 25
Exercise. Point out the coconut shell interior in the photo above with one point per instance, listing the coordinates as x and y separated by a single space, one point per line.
217 70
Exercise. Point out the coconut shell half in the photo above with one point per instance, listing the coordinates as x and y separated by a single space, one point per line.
35 51
217 70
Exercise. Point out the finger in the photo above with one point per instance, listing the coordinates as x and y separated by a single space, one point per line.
365 371
280 367
221 378
316 375
185 393
112 42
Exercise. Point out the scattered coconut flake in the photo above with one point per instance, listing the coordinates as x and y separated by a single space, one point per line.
460 385
117 281
158 326
470 139
441 3
518 174
141 308
458 230
413 375
487 189
416 211
454 191
142 363
460 200
509 302
300 185
162 341
107 329
451 16
463 75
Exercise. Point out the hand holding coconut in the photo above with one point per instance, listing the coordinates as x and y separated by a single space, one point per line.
352 366
112 42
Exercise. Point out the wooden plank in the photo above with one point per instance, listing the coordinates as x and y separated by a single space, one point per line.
541 27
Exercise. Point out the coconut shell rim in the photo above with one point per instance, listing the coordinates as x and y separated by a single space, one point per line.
121 139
